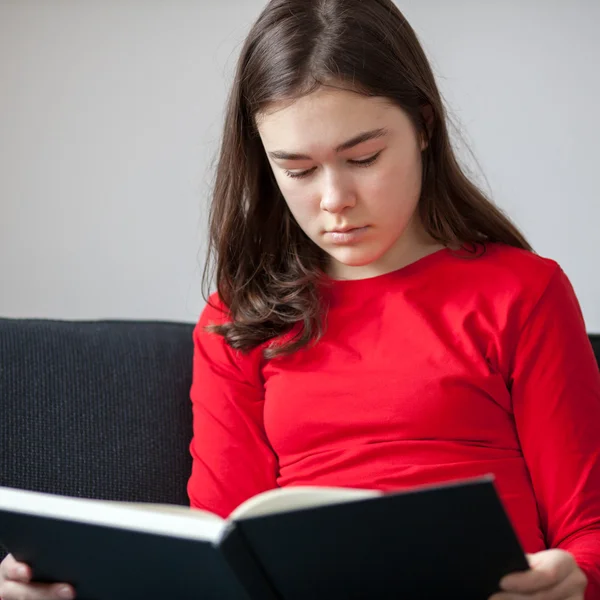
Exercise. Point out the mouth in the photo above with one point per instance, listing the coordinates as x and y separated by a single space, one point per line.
346 235
345 229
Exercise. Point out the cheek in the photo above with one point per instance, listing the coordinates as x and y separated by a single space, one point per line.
395 188
302 203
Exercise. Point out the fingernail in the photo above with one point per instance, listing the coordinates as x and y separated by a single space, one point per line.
64 591
22 571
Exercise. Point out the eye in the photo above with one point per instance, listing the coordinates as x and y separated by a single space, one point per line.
367 162
299 174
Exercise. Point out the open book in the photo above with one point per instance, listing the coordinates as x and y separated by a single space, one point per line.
286 544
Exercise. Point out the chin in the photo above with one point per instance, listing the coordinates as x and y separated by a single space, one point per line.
354 257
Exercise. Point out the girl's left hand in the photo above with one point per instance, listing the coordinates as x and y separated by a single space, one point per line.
554 575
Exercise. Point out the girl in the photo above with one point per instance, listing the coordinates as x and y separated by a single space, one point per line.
378 322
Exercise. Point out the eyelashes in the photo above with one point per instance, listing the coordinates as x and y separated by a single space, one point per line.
367 162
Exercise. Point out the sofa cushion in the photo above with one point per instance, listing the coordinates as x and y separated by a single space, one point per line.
595 339
96 409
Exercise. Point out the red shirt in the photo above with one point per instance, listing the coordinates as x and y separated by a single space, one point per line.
455 366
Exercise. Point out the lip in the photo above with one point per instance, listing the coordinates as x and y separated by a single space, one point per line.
345 229
346 235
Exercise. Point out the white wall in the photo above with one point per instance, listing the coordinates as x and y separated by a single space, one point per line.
110 113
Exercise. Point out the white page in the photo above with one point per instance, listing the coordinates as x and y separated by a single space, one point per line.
294 498
172 521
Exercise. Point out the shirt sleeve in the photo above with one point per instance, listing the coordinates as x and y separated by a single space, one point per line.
231 457
555 388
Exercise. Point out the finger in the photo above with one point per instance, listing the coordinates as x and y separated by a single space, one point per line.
7 563
504 596
17 571
555 561
548 568
13 590
528 582
571 588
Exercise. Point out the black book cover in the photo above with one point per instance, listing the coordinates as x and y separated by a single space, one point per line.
248 570
105 563
449 542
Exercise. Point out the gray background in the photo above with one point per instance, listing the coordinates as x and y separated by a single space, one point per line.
110 114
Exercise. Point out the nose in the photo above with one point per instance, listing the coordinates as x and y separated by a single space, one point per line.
338 193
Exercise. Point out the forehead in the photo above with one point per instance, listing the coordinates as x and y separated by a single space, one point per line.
324 117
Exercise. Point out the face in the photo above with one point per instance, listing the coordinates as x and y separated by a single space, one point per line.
349 168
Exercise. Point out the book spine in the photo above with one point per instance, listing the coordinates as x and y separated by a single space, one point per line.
248 569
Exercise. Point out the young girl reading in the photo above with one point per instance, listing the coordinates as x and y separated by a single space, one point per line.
378 322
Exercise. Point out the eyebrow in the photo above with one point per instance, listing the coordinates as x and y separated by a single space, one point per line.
355 141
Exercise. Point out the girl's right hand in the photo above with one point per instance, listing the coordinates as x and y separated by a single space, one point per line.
15 584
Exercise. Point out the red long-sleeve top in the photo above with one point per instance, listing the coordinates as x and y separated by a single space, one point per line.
454 366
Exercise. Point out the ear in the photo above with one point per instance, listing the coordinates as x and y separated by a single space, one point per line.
429 119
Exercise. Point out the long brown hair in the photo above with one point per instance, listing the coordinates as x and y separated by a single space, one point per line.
267 269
